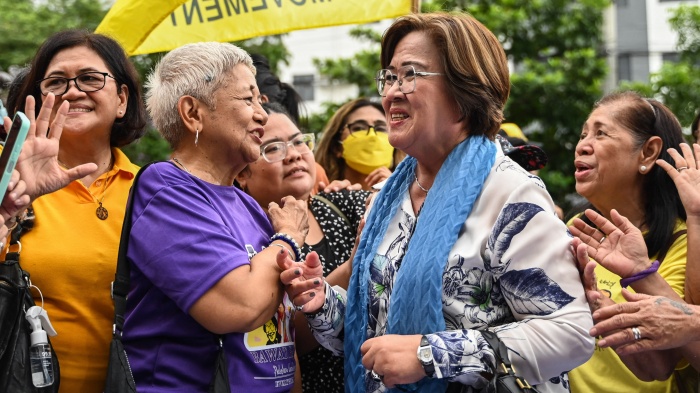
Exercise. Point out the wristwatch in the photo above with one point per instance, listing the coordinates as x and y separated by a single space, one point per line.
425 356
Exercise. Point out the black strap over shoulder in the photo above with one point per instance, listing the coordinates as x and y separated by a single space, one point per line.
505 379
120 285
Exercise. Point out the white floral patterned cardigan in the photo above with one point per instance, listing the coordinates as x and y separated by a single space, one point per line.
511 270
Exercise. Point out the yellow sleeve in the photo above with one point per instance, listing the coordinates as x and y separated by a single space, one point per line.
672 268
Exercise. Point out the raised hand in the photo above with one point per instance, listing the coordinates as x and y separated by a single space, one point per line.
686 176
38 164
618 245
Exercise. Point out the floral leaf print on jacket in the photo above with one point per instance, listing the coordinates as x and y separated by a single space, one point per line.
512 220
531 292
474 288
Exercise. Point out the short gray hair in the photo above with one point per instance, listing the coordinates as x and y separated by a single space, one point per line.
196 70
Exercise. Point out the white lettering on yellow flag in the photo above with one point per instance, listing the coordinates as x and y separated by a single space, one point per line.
148 26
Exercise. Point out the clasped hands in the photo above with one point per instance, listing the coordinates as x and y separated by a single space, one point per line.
393 357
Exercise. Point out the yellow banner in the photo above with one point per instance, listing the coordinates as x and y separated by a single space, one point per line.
148 26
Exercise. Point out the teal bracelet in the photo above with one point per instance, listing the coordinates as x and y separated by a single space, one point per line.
289 240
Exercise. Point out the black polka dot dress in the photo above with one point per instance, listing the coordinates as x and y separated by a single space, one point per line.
321 371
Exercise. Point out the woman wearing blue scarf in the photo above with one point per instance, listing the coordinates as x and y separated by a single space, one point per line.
460 239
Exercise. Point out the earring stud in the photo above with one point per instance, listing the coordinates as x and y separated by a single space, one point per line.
643 168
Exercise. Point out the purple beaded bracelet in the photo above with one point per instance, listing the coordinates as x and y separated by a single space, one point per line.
625 282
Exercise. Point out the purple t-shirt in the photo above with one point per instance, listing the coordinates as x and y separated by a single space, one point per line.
186 235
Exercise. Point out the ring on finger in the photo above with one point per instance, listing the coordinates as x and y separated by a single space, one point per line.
376 377
637 334
602 239
299 308
681 169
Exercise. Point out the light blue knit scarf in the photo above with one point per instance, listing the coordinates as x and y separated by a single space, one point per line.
415 306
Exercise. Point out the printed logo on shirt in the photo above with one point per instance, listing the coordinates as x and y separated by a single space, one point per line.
251 251
273 344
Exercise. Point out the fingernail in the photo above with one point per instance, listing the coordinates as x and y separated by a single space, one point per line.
281 252
312 294
297 272
317 281
593 332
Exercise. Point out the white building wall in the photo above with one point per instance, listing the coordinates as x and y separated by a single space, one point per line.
622 35
329 42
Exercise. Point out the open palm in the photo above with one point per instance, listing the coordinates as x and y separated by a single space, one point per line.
687 179
618 245
38 164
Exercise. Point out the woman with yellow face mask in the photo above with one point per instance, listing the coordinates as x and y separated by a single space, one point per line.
355 144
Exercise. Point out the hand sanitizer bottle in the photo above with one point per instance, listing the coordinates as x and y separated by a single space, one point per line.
40 351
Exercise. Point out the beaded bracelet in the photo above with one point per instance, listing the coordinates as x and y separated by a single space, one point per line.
625 282
289 240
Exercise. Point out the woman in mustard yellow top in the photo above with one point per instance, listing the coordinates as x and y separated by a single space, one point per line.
71 252
616 171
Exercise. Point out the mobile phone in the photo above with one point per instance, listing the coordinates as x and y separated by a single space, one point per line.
10 153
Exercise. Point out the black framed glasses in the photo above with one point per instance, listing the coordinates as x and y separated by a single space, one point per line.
363 126
406 76
277 151
87 82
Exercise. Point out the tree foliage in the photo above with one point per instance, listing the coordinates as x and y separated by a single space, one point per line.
359 69
25 24
677 85
556 47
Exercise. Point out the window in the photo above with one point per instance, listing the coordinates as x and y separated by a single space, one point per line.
304 85
624 68
671 57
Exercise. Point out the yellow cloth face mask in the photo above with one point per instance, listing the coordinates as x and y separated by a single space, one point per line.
367 151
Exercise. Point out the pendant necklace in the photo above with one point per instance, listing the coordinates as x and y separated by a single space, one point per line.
101 212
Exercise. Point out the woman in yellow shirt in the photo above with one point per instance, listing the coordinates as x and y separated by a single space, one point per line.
71 251
617 171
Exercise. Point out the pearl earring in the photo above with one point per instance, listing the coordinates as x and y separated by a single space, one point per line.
643 168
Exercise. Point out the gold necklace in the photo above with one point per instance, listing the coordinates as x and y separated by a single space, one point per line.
175 160
101 212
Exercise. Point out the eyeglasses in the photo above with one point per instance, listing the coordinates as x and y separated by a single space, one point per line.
87 82
406 76
277 151
363 126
